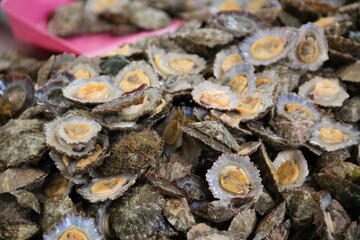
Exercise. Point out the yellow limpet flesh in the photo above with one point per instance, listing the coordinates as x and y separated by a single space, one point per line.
332 134
107 186
181 65
123 50
134 79
307 50
93 91
235 181
171 132
256 5
229 120
325 89
56 186
73 234
78 131
101 5
82 73
66 160
267 48
291 108
89 160
262 81
157 60
229 5
288 172
219 98
239 84
231 61
325 22
249 105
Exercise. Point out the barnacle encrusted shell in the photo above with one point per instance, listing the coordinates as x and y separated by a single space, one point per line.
253 105
214 96
142 207
72 135
266 81
350 111
225 60
177 212
110 188
92 90
214 134
332 136
243 223
310 50
172 63
234 176
74 227
292 169
324 92
268 45
241 78
134 151
134 75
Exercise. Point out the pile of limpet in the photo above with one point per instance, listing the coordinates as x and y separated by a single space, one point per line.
235 126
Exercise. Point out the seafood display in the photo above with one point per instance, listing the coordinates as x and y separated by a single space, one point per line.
242 124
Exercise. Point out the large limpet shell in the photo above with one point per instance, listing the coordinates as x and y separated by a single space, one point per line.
324 92
311 48
225 60
268 45
332 136
238 174
92 90
109 188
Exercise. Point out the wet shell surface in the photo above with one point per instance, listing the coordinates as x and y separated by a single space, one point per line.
225 60
134 75
234 176
268 46
214 96
324 92
74 227
266 81
332 136
92 91
254 105
292 169
311 48
241 78
110 188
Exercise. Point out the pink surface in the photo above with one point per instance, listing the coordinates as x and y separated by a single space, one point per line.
28 21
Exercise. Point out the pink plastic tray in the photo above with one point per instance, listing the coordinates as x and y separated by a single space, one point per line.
28 21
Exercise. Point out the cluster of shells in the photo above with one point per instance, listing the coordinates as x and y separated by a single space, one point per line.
242 124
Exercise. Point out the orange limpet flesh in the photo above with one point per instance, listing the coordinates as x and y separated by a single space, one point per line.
219 98
325 21
332 134
100 5
181 65
89 160
288 172
239 84
325 89
262 81
78 131
229 5
231 61
157 60
123 50
249 105
256 5
291 108
134 79
93 91
307 50
267 48
171 132
73 234
107 186
82 73
235 181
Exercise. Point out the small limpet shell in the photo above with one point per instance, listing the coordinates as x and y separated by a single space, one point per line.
134 75
311 48
254 105
181 83
241 78
233 176
214 96
324 92
332 136
292 169
92 90
266 81
268 45
109 188
225 60
74 227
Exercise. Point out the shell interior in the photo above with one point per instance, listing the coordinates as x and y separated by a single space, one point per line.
266 81
234 176
241 78
253 105
225 60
